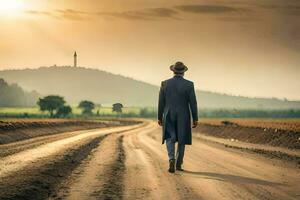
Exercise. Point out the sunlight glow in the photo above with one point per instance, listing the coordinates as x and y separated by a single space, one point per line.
11 7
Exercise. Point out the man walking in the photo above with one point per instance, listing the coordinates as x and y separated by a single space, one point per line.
177 102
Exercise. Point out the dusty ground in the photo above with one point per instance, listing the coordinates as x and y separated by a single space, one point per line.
130 163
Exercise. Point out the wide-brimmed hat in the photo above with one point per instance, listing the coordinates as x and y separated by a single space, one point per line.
179 68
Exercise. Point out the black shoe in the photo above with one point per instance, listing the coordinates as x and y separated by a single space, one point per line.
172 166
178 168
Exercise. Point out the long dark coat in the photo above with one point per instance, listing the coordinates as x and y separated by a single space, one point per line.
177 102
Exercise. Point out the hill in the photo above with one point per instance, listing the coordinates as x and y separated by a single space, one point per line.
14 96
76 84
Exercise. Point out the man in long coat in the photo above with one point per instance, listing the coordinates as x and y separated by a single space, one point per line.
177 102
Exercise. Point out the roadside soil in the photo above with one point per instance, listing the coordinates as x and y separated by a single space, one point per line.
13 130
291 155
257 135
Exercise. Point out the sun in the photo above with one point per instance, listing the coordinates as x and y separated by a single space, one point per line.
10 7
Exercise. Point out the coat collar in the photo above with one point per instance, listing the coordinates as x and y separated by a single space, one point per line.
178 76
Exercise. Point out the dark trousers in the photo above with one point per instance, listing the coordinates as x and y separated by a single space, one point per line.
171 130
171 151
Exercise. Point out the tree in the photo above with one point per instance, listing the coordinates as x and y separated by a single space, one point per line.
51 103
64 111
87 107
12 95
117 107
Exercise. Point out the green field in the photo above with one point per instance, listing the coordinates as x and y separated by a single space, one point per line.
98 111
151 112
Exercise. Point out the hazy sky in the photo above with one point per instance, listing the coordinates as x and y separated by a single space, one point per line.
239 47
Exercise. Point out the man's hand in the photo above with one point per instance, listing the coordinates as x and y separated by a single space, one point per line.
159 122
195 124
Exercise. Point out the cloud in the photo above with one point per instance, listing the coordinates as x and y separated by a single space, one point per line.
35 12
164 12
246 19
284 9
173 12
71 14
145 14
68 14
210 9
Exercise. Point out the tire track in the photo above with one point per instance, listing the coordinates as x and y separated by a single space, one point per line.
101 174
19 146
139 165
114 187
19 161
40 183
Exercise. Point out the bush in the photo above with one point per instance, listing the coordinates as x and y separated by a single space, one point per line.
87 107
51 103
64 111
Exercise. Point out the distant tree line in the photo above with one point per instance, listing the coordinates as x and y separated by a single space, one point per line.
12 95
233 113
225 113
56 107
249 113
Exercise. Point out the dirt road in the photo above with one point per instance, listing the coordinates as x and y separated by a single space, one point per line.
130 163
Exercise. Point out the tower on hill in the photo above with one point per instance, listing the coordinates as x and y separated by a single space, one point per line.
75 59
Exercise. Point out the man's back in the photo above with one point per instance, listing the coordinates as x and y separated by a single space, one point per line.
177 92
177 96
